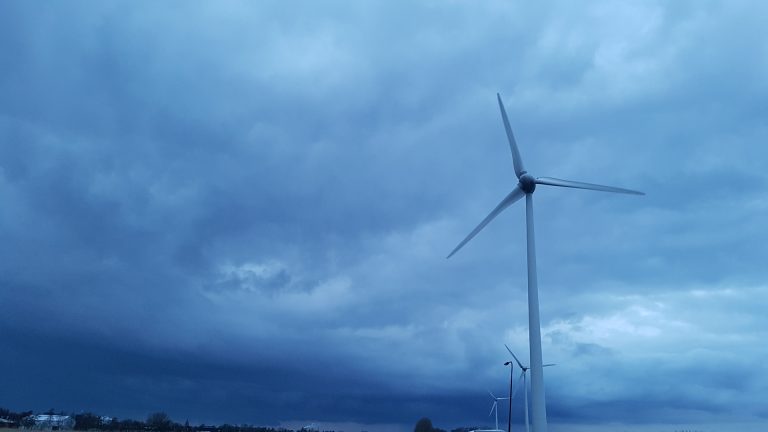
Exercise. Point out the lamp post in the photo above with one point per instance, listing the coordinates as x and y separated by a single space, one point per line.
509 417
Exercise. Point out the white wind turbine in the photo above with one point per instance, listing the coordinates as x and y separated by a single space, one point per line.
525 187
495 407
525 382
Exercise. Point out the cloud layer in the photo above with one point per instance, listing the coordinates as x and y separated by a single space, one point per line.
239 212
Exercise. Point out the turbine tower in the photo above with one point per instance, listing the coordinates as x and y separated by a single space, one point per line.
525 187
525 382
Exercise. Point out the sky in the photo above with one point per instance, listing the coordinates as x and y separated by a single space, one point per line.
240 211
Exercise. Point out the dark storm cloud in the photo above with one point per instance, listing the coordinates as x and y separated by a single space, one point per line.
241 212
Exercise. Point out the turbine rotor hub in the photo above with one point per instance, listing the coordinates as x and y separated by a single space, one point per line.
527 183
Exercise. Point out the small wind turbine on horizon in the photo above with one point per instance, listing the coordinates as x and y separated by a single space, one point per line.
525 382
525 187
495 407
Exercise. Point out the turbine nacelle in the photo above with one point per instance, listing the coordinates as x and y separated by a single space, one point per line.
527 183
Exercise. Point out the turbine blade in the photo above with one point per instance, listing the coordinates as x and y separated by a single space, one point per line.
549 364
489 392
516 159
513 196
515 357
520 377
492 408
581 185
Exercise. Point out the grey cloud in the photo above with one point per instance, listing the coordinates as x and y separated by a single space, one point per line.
259 199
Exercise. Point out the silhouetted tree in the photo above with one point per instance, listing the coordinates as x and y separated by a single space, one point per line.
86 421
112 426
159 421
423 425
130 425
27 421
14 416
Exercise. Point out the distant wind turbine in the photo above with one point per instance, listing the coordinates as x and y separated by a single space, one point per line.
495 407
525 187
525 383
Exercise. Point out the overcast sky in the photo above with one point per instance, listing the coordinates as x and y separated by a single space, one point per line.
240 211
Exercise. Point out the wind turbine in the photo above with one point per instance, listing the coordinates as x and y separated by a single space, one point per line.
525 382
525 187
495 407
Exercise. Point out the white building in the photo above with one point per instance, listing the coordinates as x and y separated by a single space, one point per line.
51 422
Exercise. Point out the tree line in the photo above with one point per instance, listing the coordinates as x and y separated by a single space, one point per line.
161 422
155 422
425 425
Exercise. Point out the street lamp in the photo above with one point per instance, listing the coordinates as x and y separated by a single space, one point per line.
509 417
